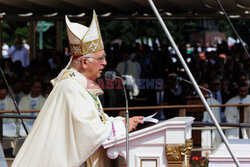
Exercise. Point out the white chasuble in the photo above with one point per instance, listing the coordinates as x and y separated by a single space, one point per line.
211 138
69 128
232 115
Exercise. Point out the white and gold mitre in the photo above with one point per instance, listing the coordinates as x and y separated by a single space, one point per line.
84 40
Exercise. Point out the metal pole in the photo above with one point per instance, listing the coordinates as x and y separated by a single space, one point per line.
14 101
127 123
193 81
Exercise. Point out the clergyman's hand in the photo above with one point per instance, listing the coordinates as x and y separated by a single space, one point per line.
133 122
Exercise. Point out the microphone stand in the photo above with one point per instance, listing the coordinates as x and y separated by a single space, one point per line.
210 95
201 87
127 123
14 101
194 82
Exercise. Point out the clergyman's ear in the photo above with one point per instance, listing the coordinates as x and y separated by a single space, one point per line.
84 63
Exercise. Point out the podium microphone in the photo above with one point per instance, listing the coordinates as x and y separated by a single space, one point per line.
112 75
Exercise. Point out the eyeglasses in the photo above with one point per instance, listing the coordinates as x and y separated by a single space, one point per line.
100 59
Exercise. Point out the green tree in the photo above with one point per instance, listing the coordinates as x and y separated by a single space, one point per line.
13 29
129 30
241 26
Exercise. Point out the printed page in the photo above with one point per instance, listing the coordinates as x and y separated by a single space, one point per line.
151 119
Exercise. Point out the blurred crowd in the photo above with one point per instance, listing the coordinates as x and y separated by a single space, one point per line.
154 75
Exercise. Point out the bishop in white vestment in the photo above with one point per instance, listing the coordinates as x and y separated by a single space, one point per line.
71 125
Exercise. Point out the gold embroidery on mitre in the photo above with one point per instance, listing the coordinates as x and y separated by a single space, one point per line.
76 49
92 46
86 47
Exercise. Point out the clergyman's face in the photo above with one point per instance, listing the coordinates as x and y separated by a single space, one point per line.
243 91
36 89
215 85
96 67
3 93
204 92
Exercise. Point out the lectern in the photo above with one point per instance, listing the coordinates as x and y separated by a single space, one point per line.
221 156
167 143
197 113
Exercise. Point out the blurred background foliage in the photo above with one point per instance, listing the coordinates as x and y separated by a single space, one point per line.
129 31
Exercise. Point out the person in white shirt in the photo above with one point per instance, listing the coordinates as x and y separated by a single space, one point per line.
19 53
27 46
210 138
17 88
129 70
33 101
5 49
232 114
7 104
127 67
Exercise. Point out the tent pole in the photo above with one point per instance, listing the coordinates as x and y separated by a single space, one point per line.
193 81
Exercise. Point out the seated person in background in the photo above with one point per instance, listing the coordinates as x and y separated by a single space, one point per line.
9 124
17 90
128 69
210 138
172 94
243 78
232 114
6 104
218 94
33 101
